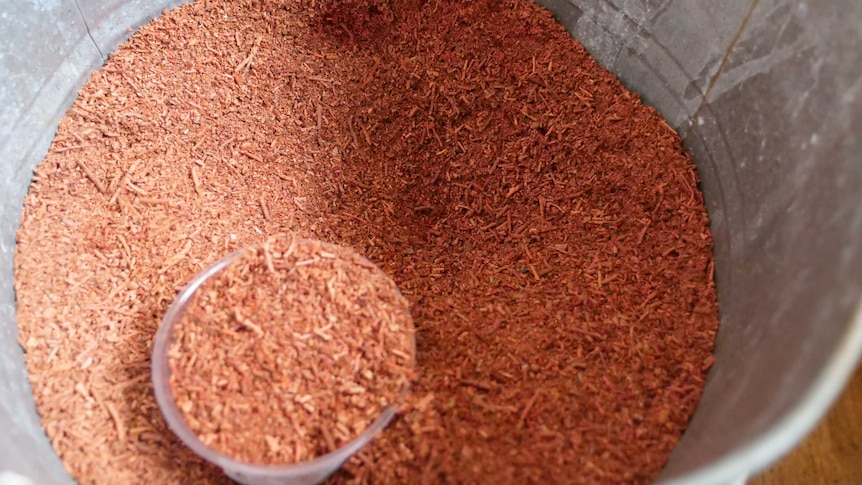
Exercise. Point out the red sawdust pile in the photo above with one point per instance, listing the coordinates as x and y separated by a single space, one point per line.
290 352
545 226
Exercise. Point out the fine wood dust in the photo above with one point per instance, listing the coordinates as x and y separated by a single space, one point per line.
545 226
290 352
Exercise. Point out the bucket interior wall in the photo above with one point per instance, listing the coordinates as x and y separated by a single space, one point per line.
767 95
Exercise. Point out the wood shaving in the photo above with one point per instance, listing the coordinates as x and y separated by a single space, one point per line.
545 226
274 362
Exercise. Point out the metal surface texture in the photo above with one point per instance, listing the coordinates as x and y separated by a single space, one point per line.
767 95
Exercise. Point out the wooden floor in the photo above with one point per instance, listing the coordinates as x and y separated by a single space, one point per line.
832 454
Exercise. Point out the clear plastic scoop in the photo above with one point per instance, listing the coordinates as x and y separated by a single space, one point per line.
308 472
